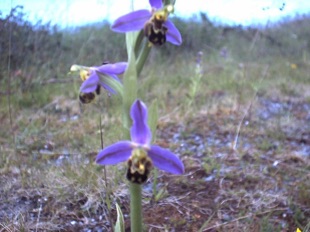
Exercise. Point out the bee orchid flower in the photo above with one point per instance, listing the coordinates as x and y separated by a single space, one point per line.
139 153
93 77
155 23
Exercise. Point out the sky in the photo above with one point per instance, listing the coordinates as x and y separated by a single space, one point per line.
71 13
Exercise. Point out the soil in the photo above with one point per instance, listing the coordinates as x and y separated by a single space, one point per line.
247 169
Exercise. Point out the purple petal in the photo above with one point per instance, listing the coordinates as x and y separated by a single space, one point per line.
165 160
115 153
173 35
90 84
140 131
156 3
117 68
133 21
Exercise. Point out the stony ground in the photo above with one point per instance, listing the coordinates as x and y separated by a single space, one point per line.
247 169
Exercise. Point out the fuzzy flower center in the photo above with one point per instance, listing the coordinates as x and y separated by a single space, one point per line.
139 166
154 29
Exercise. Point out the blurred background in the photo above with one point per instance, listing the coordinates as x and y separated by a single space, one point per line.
41 40
42 30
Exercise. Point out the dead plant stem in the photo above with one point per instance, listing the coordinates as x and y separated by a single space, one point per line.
244 217
107 187
247 110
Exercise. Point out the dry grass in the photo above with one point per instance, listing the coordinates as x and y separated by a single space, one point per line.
50 182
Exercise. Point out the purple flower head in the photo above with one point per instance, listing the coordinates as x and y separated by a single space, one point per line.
92 79
138 152
155 23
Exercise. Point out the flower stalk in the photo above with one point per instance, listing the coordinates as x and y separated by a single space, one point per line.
133 42
135 207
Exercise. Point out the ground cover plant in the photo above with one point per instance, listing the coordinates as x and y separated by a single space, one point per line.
234 104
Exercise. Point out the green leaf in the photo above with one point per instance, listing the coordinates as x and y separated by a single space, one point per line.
138 42
152 121
130 82
120 224
143 55
153 118
162 193
155 178
131 38
206 223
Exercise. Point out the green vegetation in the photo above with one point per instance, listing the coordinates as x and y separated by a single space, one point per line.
244 140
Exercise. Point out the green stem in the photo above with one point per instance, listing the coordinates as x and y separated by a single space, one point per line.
130 94
135 207
130 85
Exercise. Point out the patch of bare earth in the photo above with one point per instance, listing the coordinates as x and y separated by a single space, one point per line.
246 170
